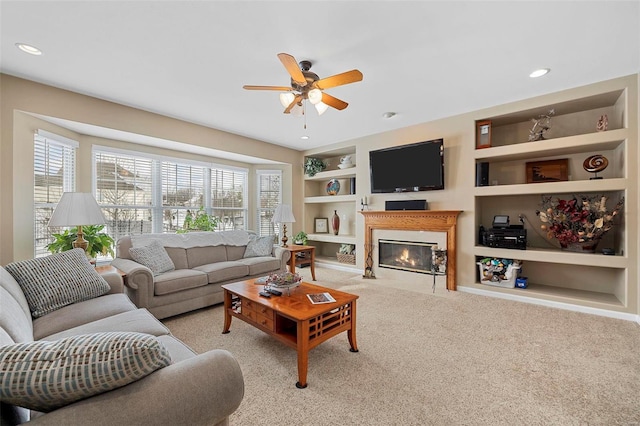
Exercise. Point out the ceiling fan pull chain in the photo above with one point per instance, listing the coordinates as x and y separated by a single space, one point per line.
304 113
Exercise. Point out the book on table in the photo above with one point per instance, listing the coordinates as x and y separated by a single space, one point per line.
320 298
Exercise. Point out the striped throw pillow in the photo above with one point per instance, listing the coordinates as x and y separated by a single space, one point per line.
44 376
58 280
153 256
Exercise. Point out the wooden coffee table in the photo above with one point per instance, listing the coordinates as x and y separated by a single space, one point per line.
293 319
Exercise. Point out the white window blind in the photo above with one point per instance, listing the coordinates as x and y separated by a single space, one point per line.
183 192
228 198
269 196
124 190
54 174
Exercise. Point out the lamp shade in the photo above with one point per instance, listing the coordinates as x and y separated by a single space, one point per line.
77 209
283 214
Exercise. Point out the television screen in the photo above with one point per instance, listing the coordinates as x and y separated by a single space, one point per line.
414 167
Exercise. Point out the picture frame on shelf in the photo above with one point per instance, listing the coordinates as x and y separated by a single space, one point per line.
483 134
321 225
548 171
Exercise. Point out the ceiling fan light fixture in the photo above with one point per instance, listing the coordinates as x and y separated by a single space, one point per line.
315 96
321 107
286 98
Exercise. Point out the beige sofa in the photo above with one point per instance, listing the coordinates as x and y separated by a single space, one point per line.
193 389
203 262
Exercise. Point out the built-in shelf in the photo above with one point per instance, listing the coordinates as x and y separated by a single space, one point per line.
331 199
330 238
555 147
554 256
333 174
575 186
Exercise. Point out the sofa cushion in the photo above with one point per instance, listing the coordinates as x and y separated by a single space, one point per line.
81 313
198 256
13 319
261 265
181 279
58 280
235 252
139 320
259 246
178 256
223 271
45 375
153 256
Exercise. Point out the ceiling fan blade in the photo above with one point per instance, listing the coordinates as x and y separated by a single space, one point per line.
277 88
339 79
333 101
293 68
297 99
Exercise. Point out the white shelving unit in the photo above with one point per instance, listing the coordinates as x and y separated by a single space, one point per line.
318 204
590 280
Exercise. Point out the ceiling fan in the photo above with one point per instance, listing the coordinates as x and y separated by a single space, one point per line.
307 85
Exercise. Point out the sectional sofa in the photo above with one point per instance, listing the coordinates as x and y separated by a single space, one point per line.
76 351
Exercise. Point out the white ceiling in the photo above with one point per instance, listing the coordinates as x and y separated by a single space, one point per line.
423 60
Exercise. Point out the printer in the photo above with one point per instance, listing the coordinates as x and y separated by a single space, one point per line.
503 235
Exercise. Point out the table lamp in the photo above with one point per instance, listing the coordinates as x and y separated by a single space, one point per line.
283 214
77 209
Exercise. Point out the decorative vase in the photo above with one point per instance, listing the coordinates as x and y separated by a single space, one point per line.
581 247
335 222
333 187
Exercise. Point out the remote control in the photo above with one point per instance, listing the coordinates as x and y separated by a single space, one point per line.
264 294
275 292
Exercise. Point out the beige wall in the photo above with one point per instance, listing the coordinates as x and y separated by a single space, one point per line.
21 98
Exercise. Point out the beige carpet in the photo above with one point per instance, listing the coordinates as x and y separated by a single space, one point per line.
445 359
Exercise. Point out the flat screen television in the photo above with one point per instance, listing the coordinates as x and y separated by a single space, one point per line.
414 167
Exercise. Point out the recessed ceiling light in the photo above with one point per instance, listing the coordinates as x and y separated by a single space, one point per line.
389 114
32 50
305 137
539 73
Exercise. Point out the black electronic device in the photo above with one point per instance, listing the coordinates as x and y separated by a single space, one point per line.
406 205
275 292
482 174
265 294
413 167
500 221
510 237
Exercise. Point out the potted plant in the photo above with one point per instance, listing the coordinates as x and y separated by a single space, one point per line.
99 242
301 238
313 165
200 221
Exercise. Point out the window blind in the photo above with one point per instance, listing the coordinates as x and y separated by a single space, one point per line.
269 196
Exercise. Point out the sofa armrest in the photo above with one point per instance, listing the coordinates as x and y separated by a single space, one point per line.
282 254
205 389
139 280
115 282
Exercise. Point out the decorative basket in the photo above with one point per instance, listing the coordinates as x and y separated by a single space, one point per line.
346 258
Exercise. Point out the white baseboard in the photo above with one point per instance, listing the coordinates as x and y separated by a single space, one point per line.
553 304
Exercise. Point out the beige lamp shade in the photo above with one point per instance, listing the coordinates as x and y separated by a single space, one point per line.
77 209
283 215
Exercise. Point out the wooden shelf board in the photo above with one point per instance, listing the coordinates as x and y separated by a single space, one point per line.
561 294
331 199
599 141
574 186
555 256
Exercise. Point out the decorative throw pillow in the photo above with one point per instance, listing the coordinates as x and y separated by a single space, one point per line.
44 375
259 246
58 280
153 256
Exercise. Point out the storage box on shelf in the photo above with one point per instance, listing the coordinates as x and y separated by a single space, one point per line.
594 280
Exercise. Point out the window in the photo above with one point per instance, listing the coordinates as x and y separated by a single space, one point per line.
124 191
54 173
141 193
228 195
269 196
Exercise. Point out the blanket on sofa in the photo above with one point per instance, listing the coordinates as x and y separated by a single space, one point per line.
193 239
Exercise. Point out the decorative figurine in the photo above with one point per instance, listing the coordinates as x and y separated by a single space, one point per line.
540 126
603 123
594 164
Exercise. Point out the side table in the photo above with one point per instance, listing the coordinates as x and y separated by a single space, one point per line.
108 269
308 251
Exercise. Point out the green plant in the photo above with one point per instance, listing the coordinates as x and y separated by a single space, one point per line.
200 221
99 242
313 165
301 237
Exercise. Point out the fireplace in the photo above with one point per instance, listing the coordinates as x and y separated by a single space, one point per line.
409 256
